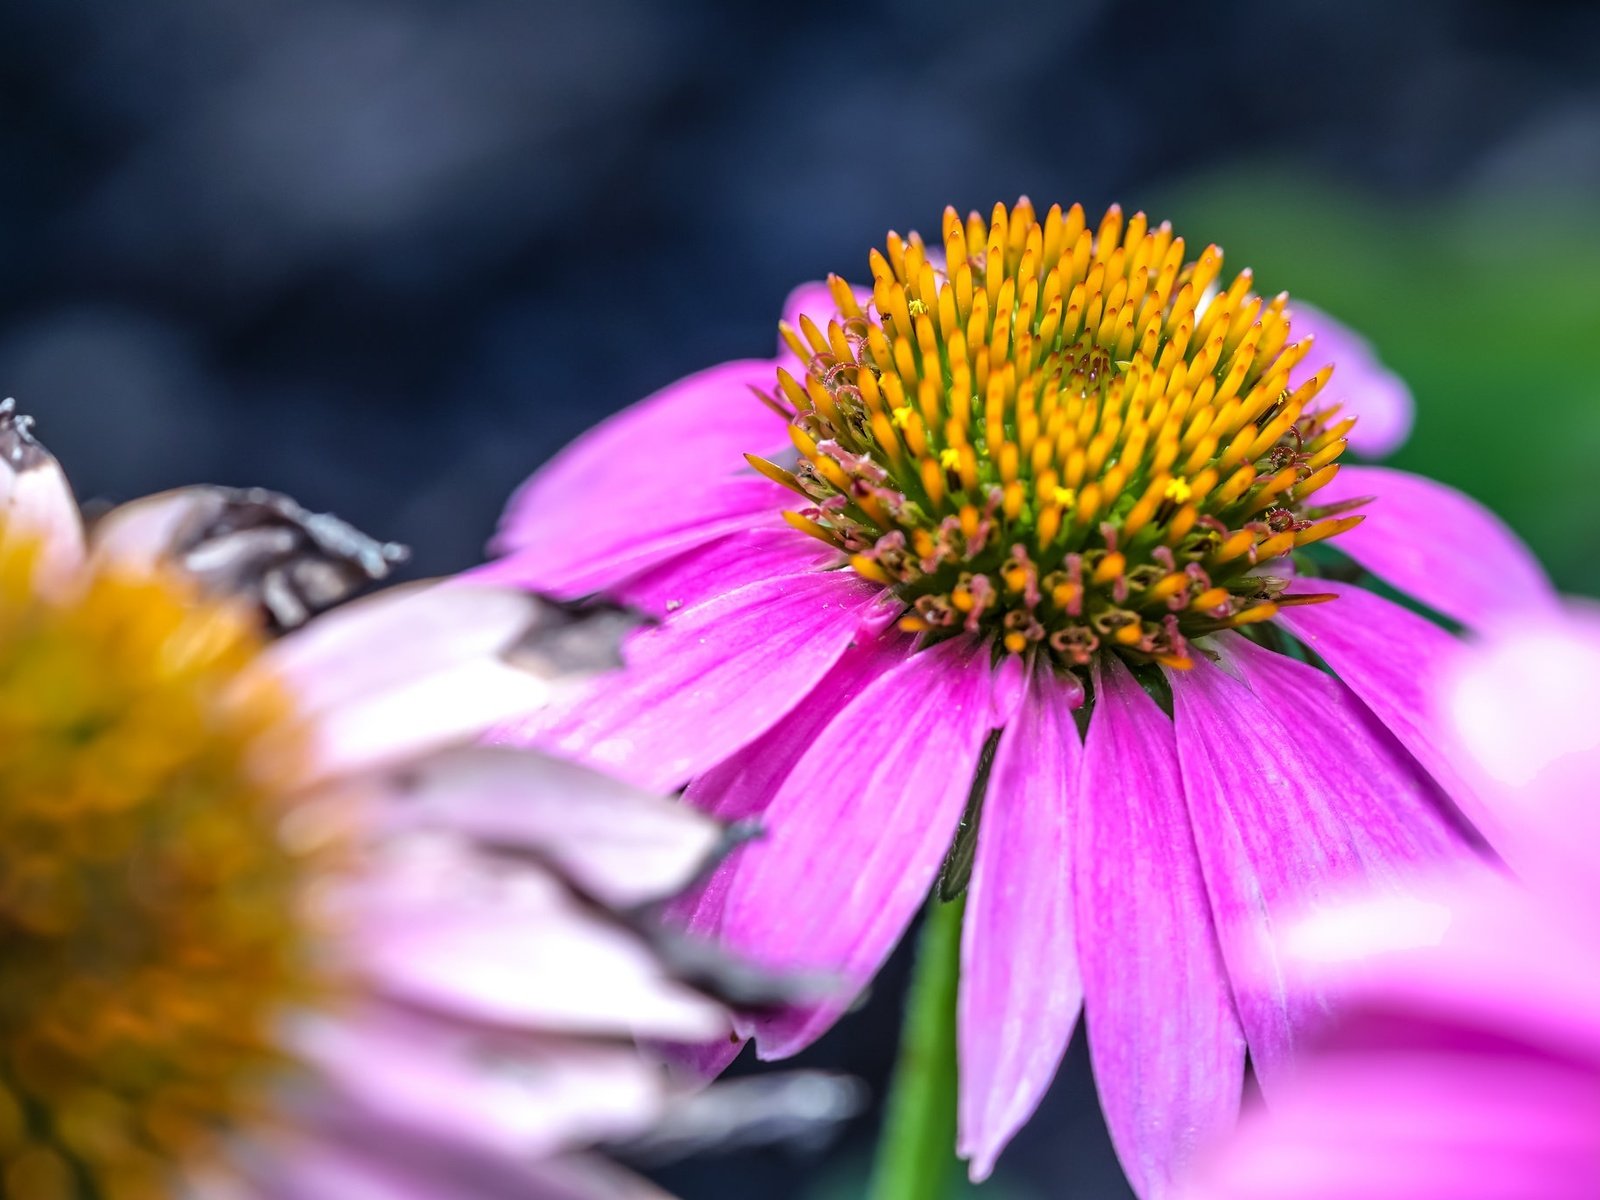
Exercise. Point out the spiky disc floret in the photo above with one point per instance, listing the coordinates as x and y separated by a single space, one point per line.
1066 437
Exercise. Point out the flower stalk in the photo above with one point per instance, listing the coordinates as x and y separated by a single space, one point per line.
915 1159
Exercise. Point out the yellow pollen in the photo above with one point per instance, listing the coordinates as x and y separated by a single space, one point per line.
1063 435
154 928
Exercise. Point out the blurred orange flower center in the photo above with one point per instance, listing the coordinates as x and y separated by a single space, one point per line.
150 910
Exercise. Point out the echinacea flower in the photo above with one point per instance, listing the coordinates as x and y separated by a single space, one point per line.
270 928
1465 1061
1015 542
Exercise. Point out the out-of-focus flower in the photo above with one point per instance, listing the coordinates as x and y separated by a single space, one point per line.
1465 1062
271 928
1042 478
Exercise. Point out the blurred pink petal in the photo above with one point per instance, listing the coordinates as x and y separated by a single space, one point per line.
36 501
443 709
1428 1126
1520 707
621 845
477 957
1473 949
397 637
536 1098
1362 386
141 532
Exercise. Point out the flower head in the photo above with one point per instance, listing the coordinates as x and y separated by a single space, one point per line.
1465 1062
270 930
1006 573
1067 440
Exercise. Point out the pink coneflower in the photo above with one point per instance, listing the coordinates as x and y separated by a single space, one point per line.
1466 1060
1045 478
271 929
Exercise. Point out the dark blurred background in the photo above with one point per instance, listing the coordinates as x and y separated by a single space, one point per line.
388 255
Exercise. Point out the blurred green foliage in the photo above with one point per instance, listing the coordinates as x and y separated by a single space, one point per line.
1490 310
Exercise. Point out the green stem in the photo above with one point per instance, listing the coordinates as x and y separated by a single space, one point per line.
916 1152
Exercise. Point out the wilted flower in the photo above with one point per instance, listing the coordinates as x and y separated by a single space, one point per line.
1045 478
269 929
1466 1059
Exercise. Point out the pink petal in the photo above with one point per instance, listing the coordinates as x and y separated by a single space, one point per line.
303 1169
732 562
1393 660
395 638
1293 799
649 458
1414 1126
1361 386
374 1161
698 1063
740 787
517 950
1518 708
1165 1041
36 500
589 1176
715 677
142 532
408 671
856 834
407 721
622 846
500 1096
1020 992
584 552
1473 949
1438 545
1330 723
